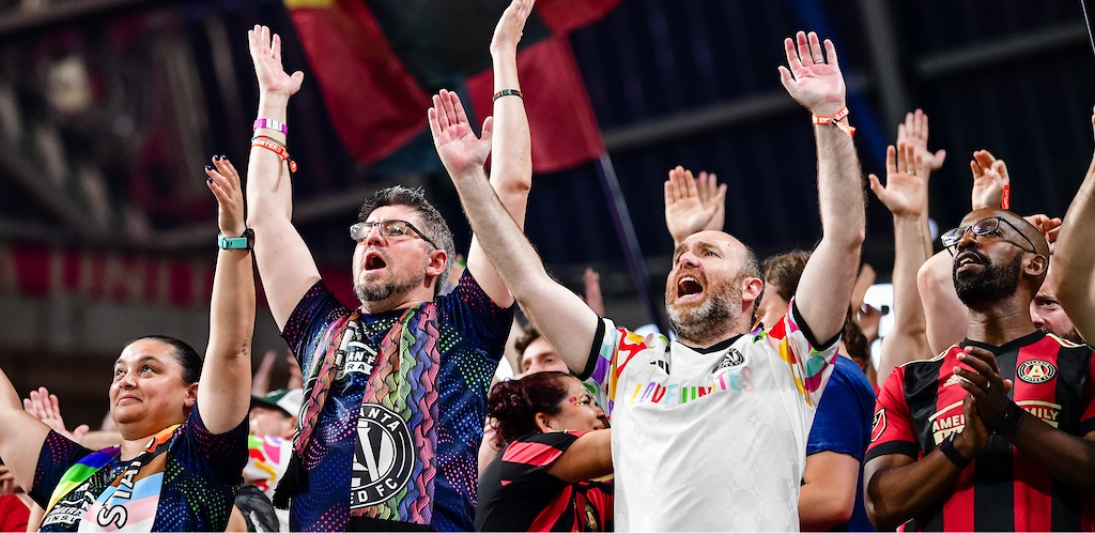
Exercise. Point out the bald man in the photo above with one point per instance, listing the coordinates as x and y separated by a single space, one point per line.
994 434
709 432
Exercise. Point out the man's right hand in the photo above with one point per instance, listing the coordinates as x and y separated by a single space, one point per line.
904 193
460 150
266 55
975 435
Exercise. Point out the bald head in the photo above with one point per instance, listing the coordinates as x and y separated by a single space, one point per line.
1020 230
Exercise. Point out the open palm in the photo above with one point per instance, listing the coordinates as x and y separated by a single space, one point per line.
813 77
266 55
904 192
460 150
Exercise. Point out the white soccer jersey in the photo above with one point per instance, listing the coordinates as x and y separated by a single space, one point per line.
711 440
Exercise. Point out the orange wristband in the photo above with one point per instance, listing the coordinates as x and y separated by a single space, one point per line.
837 120
277 149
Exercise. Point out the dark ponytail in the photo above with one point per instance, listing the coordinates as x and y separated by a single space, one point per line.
514 404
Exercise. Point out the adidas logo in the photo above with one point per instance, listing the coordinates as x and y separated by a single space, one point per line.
953 380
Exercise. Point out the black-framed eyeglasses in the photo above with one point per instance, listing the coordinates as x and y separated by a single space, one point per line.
981 228
388 228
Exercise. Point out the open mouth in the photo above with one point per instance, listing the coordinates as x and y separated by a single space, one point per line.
688 286
967 260
373 261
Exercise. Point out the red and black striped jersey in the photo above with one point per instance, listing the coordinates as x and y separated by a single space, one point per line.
516 493
1003 489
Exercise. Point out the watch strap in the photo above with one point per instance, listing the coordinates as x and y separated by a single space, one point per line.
955 456
1013 418
243 242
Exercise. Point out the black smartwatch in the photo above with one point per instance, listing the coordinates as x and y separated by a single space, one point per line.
1013 417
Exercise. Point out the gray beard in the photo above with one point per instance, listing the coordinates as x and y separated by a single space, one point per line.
383 291
707 323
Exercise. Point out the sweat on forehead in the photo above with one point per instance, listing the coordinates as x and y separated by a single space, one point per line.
1019 222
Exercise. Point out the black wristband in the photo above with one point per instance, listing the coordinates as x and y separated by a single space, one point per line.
956 457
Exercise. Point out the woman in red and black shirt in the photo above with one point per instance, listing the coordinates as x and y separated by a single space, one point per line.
555 442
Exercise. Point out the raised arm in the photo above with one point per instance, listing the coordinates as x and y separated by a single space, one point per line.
567 323
511 163
905 195
21 435
815 81
1074 258
915 132
284 262
693 205
225 390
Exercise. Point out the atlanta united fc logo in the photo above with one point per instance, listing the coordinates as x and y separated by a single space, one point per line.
383 457
1036 371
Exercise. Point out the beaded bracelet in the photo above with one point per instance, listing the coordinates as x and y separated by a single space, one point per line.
508 92
277 149
272 124
837 120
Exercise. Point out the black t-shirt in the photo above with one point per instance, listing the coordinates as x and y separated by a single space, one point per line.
516 493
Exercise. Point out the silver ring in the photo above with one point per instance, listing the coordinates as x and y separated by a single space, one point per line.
822 61
988 384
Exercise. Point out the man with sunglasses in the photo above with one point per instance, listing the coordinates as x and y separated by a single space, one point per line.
395 389
709 432
995 433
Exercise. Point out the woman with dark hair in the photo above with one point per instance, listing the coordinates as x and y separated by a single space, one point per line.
178 463
554 443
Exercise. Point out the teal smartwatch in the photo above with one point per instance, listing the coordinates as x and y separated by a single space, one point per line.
243 242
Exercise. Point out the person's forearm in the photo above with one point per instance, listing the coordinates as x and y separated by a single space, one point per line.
820 509
1074 257
560 315
1067 458
946 317
897 495
511 159
226 374
831 272
9 397
907 341
269 189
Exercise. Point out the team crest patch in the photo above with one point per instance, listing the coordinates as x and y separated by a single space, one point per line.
1036 371
878 426
383 457
732 358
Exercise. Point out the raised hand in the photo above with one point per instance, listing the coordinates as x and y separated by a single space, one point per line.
814 79
260 382
1050 228
685 210
592 295
296 379
45 407
990 175
511 26
460 150
905 191
915 132
266 56
712 194
224 181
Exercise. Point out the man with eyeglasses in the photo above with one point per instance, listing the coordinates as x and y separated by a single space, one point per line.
995 433
710 431
395 389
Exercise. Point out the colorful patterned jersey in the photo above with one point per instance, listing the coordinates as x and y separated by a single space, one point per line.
361 455
711 439
193 492
516 493
267 459
1003 489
